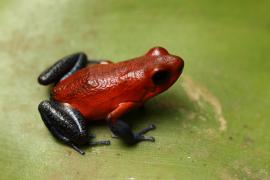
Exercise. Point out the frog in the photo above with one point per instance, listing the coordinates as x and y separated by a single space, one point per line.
85 90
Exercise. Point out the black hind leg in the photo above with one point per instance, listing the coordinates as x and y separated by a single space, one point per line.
66 124
63 68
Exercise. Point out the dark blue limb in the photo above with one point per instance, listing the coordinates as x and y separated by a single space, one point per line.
123 131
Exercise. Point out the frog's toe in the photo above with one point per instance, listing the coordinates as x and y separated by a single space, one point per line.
151 127
104 142
140 138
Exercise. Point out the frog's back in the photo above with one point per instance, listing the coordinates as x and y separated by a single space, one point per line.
98 89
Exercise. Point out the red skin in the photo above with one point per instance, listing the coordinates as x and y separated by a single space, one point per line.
107 91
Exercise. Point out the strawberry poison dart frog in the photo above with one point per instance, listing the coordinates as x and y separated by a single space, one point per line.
87 90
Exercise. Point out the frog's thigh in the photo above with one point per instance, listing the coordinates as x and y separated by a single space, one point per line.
63 68
64 123
121 109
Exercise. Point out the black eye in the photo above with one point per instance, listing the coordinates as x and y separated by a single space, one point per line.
160 77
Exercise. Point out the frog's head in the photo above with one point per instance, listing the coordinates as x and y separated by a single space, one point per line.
163 69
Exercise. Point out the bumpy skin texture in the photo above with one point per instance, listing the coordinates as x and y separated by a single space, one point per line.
69 122
106 91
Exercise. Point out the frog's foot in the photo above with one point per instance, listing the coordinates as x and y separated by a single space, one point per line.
99 143
122 130
67 125
147 129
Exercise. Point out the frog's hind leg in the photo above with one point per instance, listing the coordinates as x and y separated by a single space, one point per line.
66 66
66 124
63 68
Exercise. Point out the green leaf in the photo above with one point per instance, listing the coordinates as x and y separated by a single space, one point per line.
212 124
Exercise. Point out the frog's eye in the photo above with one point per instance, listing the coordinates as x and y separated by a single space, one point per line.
161 77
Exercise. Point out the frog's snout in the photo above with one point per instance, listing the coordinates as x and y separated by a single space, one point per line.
181 66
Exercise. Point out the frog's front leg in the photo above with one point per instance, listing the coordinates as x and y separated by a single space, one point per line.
123 130
66 124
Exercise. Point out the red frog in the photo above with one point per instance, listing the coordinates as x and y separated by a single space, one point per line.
88 90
